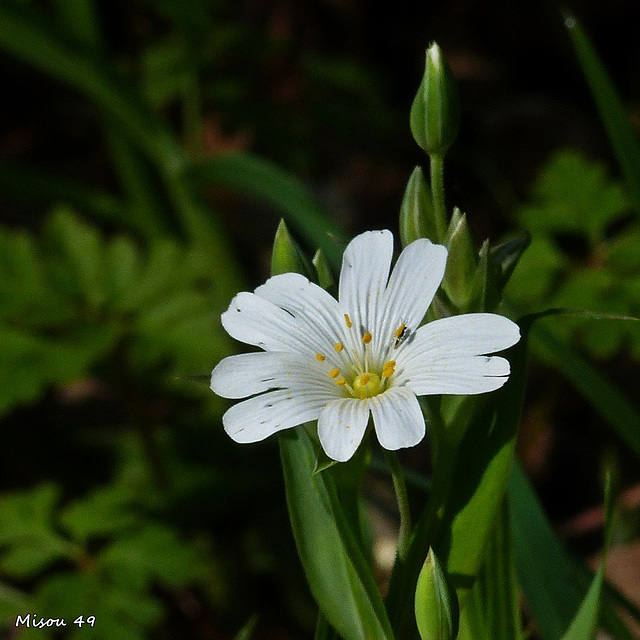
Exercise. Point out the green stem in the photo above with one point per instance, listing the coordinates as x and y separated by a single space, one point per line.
404 535
437 190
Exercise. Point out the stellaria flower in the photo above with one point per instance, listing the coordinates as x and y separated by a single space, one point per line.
341 361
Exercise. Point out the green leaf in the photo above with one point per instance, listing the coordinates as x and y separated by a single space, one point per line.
30 35
573 194
264 180
28 541
493 607
339 577
104 511
612 112
541 562
153 553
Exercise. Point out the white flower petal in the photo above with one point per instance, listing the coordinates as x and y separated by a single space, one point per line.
261 416
397 418
341 426
412 286
253 319
311 306
365 271
459 375
250 373
447 356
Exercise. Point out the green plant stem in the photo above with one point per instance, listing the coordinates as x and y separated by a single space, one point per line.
437 190
404 535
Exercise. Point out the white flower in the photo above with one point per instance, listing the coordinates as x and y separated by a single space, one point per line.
340 361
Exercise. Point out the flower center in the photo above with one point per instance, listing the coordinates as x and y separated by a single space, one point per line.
354 372
367 385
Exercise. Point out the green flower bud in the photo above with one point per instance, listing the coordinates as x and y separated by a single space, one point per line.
325 279
435 113
287 256
436 604
485 288
508 254
416 211
461 263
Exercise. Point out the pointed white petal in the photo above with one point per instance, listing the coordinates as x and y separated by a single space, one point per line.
254 320
341 426
461 375
447 356
363 278
257 418
397 418
250 373
310 305
412 286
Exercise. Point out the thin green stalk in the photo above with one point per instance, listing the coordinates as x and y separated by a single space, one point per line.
404 535
437 190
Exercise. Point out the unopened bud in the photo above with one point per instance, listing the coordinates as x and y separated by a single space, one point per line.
435 113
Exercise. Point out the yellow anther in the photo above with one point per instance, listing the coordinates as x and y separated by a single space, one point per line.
364 379
341 381
320 357
334 373
366 338
400 330
388 369
347 320
338 346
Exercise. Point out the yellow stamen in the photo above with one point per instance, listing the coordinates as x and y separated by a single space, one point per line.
334 373
388 369
347 320
341 381
338 346
320 357
400 330
366 338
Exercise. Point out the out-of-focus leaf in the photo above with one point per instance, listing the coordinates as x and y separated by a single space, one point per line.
29 35
261 179
573 194
28 540
493 607
541 562
338 575
105 511
603 396
612 111
153 553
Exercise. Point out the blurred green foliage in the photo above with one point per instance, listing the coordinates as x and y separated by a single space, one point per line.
584 253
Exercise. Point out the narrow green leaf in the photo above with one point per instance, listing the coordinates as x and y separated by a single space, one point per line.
30 35
541 561
612 111
493 607
262 179
338 574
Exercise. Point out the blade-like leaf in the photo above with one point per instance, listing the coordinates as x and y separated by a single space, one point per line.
264 180
612 111
493 608
339 577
